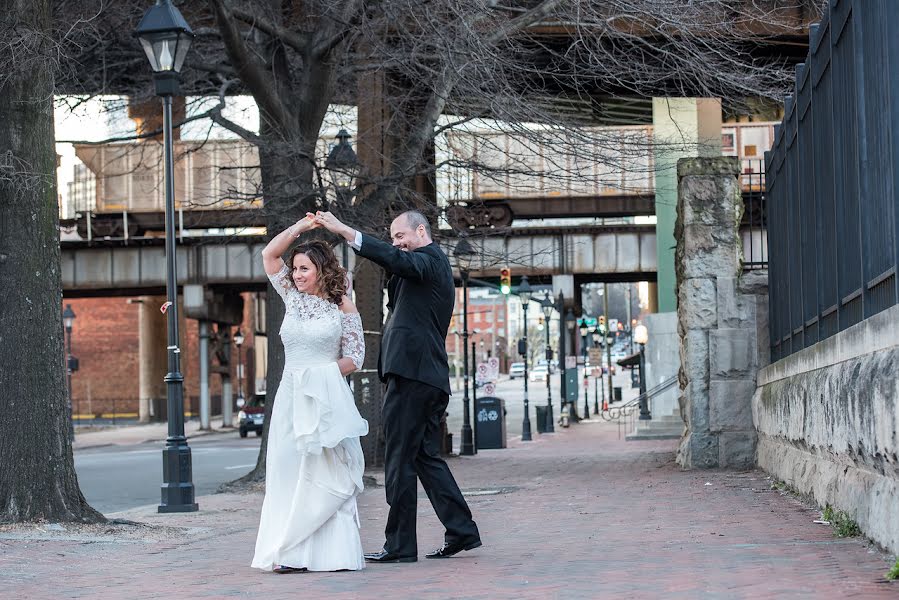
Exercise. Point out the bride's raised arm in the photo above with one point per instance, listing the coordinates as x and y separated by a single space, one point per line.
272 253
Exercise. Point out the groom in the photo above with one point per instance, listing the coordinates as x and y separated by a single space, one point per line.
413 364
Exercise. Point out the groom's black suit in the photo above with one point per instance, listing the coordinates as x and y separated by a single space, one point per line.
413 364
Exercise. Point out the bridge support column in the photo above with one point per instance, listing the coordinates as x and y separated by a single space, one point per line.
204 375
152 359
718 311
227 391
682 127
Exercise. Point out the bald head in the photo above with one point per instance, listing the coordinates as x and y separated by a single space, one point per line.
410 230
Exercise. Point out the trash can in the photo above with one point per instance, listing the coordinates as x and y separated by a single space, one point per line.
541 418
617 390
490 415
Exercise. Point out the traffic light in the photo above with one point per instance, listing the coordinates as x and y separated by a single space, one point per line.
505 280
602 323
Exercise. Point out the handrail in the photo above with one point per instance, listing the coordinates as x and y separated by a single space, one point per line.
615 412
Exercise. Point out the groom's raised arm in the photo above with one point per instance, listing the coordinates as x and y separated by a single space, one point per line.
411 265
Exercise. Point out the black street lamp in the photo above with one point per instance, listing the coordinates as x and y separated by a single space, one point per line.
166 37
238 341
464 254
68 319
594 337
547 305
584 330
343 168
641 336
570 324
524 293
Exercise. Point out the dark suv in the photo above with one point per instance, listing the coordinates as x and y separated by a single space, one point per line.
252 415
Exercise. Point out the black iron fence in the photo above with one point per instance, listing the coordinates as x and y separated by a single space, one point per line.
833 180
754 224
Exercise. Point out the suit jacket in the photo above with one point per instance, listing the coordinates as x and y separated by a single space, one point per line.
421 295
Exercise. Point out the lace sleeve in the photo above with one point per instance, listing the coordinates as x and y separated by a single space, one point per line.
282 283
352 341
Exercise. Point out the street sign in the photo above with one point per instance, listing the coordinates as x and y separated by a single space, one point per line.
489 389
481 373
570 362
493 369
595 356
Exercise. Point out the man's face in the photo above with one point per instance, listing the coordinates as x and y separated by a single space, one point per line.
404 237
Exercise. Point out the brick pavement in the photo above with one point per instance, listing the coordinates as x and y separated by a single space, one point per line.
581 515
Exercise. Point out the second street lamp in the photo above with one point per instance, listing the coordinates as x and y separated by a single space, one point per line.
166 38
547 305
584 329
464 254
68 320
524 293
641 336
238 341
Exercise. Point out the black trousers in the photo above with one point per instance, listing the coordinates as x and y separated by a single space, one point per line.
411 417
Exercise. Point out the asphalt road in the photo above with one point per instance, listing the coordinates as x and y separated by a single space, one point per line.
115 478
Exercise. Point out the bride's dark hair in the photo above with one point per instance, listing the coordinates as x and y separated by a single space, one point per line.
331 276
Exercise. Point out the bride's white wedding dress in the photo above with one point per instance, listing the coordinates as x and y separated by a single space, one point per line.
314 461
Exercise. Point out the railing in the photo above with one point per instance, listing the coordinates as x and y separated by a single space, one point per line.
754 225
832 180
626 413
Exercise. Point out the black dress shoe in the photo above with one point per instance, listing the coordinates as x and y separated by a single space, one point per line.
284 569
387 557
450 548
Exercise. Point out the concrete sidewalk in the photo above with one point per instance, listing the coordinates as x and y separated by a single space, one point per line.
140 433
575 514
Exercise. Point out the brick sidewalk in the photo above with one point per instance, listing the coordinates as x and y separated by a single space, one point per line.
581 515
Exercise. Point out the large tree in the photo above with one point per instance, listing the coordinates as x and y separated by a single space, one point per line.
38 481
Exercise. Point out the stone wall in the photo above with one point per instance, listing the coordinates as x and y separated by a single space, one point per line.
722 318
827 420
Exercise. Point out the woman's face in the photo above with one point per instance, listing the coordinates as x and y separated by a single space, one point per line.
305 275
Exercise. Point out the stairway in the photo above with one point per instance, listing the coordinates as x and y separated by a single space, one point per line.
666 427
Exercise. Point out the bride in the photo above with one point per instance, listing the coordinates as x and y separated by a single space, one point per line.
314 460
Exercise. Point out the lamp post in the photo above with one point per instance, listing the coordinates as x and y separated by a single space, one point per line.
343 167
524 293
238 341
68 319
547 305
594 336
641 336
166 37
570 324
584 329
464 253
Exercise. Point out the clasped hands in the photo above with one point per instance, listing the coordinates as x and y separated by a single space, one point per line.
324 219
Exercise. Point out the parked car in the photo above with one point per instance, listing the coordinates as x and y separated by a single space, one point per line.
516 370
539 373
543 362
251 416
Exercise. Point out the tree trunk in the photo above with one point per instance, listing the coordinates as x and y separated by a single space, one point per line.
38 481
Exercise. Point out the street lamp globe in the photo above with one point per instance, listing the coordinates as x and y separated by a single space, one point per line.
165 37
343 165
68 317
547 305
597 336
570 321
641 334
524 290
238 338
464 253
583 327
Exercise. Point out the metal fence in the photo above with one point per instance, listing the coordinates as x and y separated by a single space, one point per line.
833 179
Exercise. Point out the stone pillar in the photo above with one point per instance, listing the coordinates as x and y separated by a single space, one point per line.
152 359
718 310
682 127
